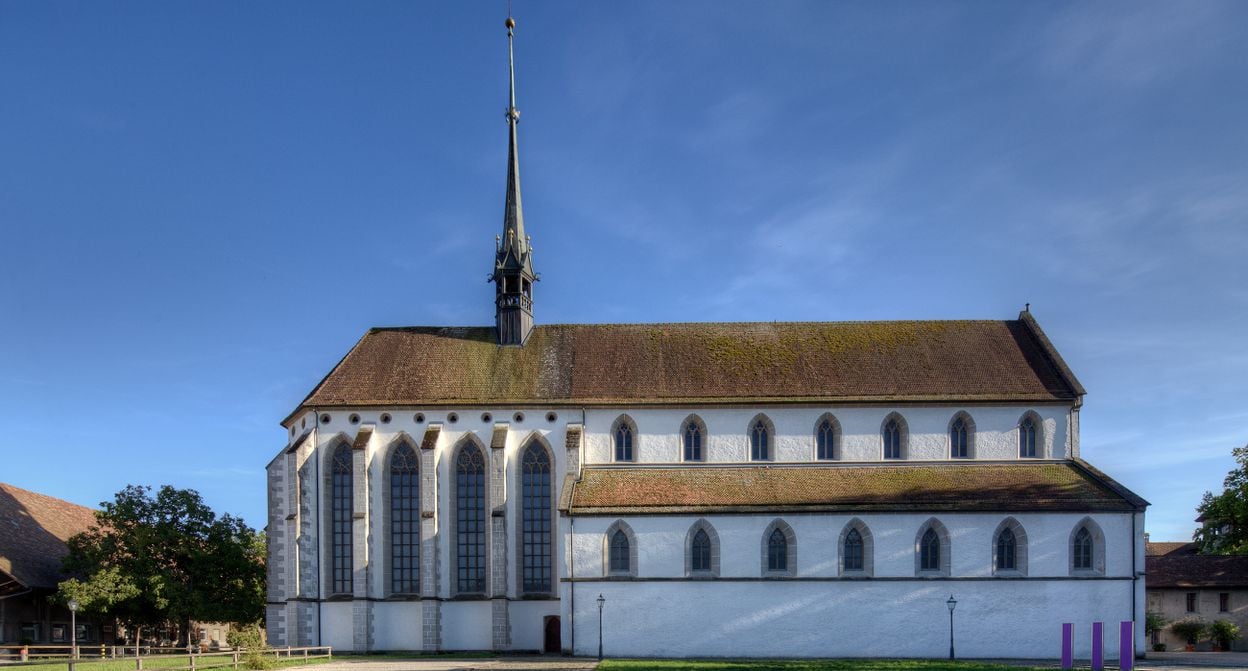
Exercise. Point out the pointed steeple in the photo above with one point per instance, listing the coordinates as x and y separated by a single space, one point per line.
513 265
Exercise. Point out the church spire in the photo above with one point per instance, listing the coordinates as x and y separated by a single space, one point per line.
513 266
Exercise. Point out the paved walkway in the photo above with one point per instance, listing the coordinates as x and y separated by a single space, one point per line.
1186 660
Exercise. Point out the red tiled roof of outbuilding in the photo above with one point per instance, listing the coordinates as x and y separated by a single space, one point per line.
33 531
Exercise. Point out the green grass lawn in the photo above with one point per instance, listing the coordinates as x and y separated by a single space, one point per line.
800 665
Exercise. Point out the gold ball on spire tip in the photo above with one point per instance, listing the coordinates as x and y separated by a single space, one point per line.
510 23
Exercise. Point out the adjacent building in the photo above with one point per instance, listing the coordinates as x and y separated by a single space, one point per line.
708 489
1182 583
33 531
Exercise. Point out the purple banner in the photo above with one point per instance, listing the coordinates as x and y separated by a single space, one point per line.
1126 645
1098 646
1068 646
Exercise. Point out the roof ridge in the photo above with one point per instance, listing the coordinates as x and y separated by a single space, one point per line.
375 329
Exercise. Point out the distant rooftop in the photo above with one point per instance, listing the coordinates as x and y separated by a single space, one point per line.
33 531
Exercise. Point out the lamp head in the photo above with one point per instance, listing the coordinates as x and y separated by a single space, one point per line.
952 603
73 605
601 601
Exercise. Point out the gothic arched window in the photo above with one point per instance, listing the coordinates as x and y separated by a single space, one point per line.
619 558
691 438
1027 437
340 505
760 441
470 520
700 552
892 439
536 528
1082 549
777 551
404 521
1007 551
825 439
959 447
622 440
853 551
929 551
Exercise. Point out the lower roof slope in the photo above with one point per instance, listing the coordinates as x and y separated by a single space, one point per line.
1183 569
1009 360
1067 486
33 531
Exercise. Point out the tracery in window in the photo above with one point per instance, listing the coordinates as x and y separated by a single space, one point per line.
1028 431
622 439
1006 551
404 521
853 551
340 515
536 523
960 438
619 552
777 552
700 552
929 549
1083 549
470 520
826 438
691 440
893 434
760 440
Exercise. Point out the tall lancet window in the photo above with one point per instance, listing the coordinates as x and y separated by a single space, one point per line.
623 439
536 526
340 519
825 440
470 521
1027 437
404 521
619 553
892 440
1007 551
692 439
760 441
700 552
929 551
853 551
958 443
1081 550
777 551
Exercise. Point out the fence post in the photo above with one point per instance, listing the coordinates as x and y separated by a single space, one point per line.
192 656
138 663
305 655
236 660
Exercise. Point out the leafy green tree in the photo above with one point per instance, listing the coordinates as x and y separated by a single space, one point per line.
1224 518
167 558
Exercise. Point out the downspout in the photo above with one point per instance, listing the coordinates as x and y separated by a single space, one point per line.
320 570
572 542
1135 578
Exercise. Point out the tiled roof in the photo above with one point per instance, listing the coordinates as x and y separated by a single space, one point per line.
961 487
1157 549
1193 570
33 531
694 362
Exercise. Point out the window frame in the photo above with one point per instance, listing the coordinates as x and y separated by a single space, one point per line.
968 435
944 549
624 454
868 550
897 422
764 451
790 550
526 538
340 522
824 451
695 423
1097 550
702 526
619 526
403 445
1020 548
479 491
1031 424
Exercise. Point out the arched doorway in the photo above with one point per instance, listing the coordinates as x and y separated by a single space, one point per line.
553 633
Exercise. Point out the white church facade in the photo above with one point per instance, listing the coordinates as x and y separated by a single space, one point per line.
745 490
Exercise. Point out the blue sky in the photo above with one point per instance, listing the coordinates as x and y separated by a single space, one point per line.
204 205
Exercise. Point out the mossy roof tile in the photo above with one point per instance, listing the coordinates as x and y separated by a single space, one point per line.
967 487
702 363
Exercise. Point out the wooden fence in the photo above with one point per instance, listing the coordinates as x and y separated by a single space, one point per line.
114 658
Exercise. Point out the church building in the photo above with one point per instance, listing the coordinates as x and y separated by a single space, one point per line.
706 489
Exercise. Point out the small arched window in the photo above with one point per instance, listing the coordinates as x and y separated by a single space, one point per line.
825 439
1007 552
777 552
619 550
700 552
341 494
622 438
959 444
929 551
404 521
691 438
892 439
760 441
853 551
1082 549
1027 432
619 562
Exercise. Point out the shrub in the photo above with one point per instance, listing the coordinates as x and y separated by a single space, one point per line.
1153 622
250 639
1223 632
1190 629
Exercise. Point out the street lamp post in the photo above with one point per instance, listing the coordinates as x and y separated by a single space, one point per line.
73 628
952 603
601 602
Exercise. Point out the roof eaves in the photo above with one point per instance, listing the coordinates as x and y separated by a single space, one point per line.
1051 352
302 404
1113 485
